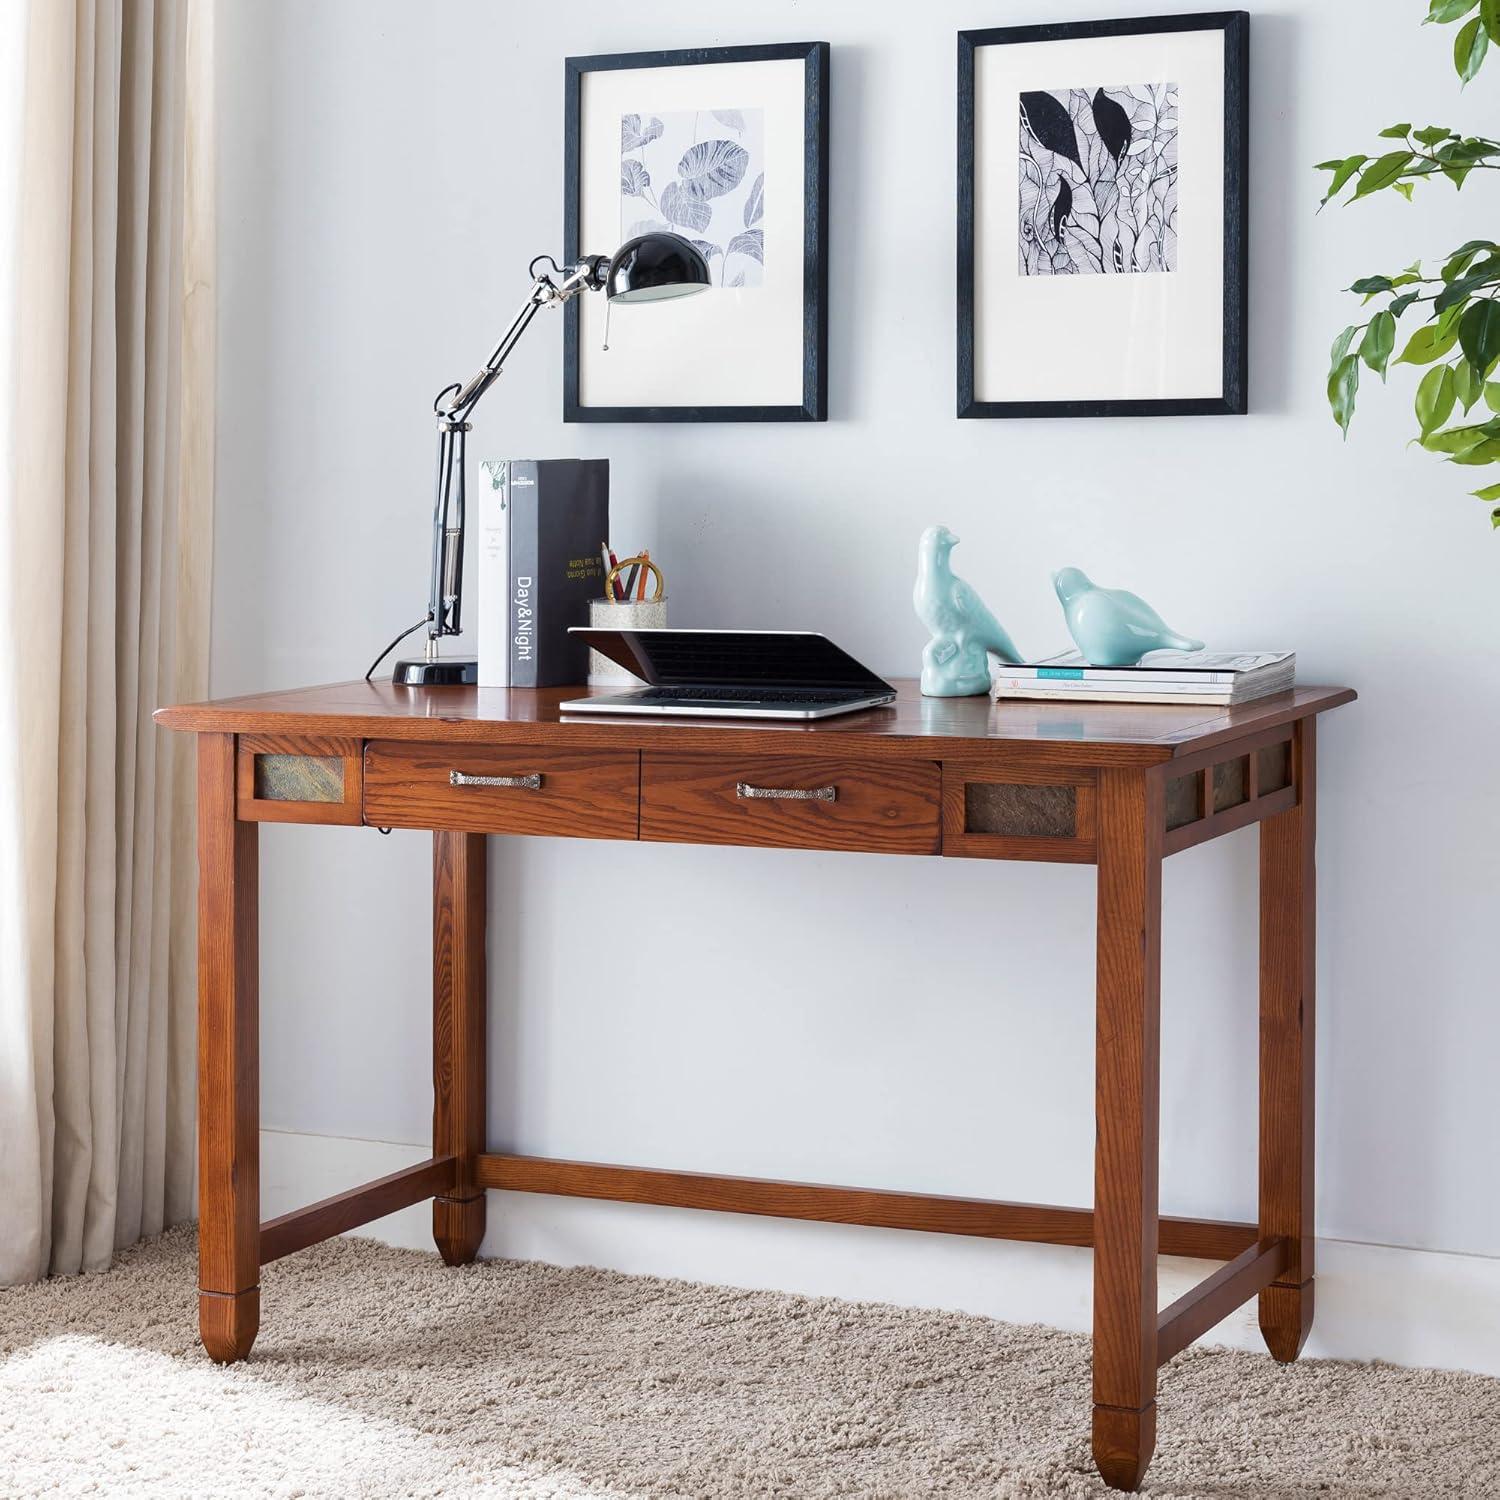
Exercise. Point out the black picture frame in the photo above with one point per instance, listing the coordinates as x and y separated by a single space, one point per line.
815 57
1233 400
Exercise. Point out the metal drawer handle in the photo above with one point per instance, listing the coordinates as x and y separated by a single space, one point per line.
532 783
786 793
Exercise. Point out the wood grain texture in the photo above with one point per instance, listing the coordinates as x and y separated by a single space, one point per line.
459 1100
255 808
1131 817
1124 1439
1214 1298
344 1211
1288 968
912 728
1208 1239
228 1060
585 793
879 806
228 1323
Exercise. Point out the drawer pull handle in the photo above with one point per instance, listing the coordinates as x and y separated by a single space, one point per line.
786 793
532 783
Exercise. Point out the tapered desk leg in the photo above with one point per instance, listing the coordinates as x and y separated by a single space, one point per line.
458 1037
228 1061
1287 977
1130 821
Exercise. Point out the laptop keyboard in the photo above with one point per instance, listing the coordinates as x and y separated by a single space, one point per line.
791 696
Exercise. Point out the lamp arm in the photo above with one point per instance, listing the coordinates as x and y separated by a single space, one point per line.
453 405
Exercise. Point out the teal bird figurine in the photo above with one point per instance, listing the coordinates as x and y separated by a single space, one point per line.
954 661
1113 627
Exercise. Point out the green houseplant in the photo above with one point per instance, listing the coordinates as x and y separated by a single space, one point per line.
1457 336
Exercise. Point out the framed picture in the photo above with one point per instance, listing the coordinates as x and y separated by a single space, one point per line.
1102 218
728 147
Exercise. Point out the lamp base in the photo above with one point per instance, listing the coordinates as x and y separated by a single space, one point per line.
440 671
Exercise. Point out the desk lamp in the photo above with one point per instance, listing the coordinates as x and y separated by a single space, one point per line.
649 268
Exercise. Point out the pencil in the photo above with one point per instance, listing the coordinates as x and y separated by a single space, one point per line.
604 553
645 558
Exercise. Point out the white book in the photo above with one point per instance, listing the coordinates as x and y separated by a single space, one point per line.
1155 667
493 631
1093 694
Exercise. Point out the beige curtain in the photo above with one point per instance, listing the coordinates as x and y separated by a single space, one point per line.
106 402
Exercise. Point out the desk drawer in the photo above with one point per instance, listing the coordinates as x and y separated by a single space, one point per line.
791 802
503 789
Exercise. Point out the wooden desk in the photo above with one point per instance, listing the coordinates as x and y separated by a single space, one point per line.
1114 786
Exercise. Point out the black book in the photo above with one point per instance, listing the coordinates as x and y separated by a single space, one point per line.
544 521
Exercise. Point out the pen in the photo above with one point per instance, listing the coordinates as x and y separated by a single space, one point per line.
619 590
645 558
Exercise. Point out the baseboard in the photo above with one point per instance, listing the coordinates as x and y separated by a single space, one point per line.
1408 1307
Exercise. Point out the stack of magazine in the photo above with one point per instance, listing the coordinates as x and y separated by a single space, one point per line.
1188 677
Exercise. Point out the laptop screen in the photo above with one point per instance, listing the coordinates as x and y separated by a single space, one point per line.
732 658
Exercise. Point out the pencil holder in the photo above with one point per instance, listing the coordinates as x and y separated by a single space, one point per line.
614 614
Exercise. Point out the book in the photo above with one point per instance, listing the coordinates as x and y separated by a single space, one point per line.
1185 677
541 523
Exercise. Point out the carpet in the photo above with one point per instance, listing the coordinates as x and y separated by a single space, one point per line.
380 1372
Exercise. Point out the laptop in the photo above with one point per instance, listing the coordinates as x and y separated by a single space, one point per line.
744 674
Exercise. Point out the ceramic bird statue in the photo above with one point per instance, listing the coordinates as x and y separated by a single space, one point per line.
954 661
1113 627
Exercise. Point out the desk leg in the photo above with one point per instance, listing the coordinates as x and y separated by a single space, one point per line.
1287 976
228 1061
458 1037
1130 820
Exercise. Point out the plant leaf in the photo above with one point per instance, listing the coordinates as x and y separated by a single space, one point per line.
1048 120
1434 400
1492 395
634 178
1401 303
1489 15
1342 385
712 168
755 201
1487 452
1341 347
1469 47
1479 335
731 119
1404 188
683 208
634 135
1382 172
1372 284
1430 135
1431 341
1379 340
750 243
1489 492
1465 387
1397 132
1342 172
1448 10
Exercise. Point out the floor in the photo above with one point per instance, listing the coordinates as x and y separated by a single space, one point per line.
379 1372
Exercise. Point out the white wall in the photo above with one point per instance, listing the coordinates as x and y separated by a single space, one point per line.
387 170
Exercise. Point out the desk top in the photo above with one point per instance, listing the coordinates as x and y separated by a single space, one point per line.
912 727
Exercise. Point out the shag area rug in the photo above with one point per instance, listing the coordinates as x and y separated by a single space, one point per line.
381 1372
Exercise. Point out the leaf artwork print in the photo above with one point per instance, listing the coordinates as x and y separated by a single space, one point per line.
700 174
1098 181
